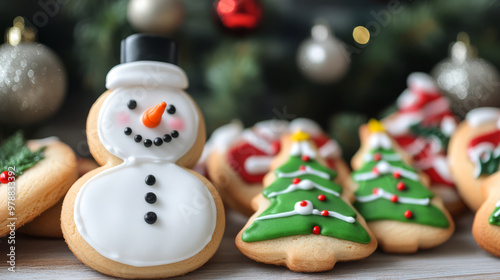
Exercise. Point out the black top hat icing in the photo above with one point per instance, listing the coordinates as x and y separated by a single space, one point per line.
148 47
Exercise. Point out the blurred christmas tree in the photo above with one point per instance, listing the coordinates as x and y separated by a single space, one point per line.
255 76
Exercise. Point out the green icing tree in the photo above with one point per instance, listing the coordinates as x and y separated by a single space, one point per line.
15 153
490 164
495 216
390 190
304 184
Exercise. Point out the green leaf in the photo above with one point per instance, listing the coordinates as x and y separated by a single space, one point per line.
15 154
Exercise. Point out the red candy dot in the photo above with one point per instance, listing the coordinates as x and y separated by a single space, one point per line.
375 170
408 214
4 177
322 197
396 175
375 191
296 181
394 198
401 186
303 203
316 230
377 157
305 158
324 213
302 168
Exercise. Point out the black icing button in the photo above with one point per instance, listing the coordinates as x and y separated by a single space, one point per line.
132 104
138 138
171 109
158 141
175 133
150 198
150 218
148 143
127 131
167 138
150 180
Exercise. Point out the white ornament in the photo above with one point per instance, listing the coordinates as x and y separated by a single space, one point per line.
304 210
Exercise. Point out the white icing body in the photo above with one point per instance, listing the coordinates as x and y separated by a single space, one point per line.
110 208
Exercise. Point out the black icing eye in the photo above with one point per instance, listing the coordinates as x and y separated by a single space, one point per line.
171 109
132 104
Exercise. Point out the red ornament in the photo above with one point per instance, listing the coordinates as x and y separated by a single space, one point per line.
375 191
396 174
5 177
401 186
239 16
303 203
394 198
325 213
322 197
302 168
377 157
316 230
305 158
375 170
408 214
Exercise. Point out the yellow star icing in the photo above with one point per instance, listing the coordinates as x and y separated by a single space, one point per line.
375 126
300 136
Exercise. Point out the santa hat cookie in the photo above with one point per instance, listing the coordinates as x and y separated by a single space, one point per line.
146 132
475 153
422 126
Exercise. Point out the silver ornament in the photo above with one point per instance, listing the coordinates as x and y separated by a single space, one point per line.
32 83
468 82
156 16
323 58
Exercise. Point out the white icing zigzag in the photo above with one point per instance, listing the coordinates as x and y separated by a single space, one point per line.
384 167
307 170
308 209
303 185
380 193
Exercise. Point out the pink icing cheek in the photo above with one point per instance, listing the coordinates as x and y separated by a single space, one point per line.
123 118
176 124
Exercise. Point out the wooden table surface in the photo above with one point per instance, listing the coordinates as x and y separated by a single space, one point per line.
460 257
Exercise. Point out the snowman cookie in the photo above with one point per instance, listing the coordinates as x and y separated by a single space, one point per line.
34 176
394 198
240 158
303 220
144 213
474 153
422 126
48 224
486 226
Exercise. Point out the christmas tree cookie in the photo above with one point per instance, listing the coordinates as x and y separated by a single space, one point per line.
475 152
391 195
34 176
240 158
486 226
302 220
422 126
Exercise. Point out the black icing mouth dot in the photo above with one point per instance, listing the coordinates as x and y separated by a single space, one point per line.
132 104
138 138
167 138
158 141
150 218
175 133
148 143
171 109
127 131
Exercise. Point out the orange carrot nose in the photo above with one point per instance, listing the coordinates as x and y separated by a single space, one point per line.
152 117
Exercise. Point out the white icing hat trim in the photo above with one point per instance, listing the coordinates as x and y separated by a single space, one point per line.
271 129
423 81
479 116
147 74
225 136
305 125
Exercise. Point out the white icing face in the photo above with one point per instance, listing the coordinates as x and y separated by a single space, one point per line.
171 139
